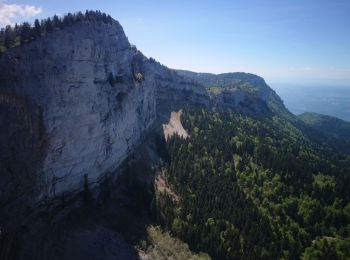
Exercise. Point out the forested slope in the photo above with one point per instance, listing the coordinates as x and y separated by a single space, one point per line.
337 130
254 188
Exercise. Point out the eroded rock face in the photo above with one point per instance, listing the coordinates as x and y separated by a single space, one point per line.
243 92
77 86
175 92
75 103
174 127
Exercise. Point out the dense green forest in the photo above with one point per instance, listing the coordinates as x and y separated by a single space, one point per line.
254 188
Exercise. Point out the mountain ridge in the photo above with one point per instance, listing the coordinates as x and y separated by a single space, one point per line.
337 130
64 79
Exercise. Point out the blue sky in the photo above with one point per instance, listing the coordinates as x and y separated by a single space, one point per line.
290 41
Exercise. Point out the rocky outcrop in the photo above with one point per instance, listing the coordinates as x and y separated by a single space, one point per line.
89 120
175 91
75 103
244 92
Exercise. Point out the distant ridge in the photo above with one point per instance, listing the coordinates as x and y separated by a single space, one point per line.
332 127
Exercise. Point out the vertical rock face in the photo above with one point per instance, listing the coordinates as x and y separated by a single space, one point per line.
175 92
74 104
244 92
73 107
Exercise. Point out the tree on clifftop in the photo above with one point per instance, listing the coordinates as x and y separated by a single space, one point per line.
25 33
9 37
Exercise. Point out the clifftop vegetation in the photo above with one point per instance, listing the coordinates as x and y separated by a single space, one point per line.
12 36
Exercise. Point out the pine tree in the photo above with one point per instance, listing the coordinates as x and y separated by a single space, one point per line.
2 36
68 19
48 25
56 22
25 33
9 37
37 28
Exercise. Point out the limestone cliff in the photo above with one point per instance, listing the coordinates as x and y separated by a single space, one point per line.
245 92
77 101
73 105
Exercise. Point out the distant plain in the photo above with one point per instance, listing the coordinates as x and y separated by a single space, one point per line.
328 100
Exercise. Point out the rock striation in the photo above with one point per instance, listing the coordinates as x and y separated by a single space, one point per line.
73 105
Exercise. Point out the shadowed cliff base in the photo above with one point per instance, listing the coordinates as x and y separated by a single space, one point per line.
109 221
